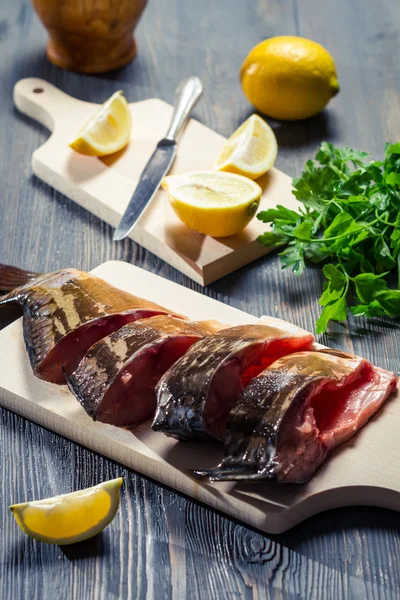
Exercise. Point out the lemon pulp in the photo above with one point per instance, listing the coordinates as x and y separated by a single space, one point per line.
108 131
214 203
70 518
250 151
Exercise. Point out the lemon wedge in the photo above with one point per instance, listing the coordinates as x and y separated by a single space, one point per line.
214 203
250 151
72 517
107 131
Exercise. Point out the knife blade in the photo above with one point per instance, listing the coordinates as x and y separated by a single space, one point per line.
160 162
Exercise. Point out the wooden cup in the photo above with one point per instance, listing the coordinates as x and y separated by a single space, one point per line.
90 36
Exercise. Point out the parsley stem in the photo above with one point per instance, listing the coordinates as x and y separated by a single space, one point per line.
383 220
398 271
343 267
343 235
338 172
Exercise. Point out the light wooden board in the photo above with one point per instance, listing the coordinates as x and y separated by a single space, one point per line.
362 471
104 187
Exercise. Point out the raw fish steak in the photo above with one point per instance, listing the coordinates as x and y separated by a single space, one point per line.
196 395
66 312
296 411
115 381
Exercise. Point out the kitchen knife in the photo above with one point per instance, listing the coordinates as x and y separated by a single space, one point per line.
160 162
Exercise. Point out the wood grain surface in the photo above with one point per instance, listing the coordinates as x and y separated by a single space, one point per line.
162 545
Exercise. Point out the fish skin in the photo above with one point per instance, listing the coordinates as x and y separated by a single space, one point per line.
108 358
183 392
57 304
257 425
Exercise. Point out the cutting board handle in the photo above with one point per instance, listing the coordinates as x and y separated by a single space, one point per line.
41 101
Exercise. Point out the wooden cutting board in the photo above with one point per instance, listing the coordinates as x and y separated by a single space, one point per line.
105 186
362 471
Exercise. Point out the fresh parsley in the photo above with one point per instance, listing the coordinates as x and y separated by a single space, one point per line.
349 221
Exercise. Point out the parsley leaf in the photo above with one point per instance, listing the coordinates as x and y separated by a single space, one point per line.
335 285
272 238
383 256
395 237
293 257
390 301
373 309
367 285
335 311
303 231
280 212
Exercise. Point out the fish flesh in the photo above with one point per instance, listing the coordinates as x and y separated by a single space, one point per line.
66 312
196 395
297 411
115 381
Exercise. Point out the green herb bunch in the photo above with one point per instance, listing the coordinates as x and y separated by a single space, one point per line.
349 220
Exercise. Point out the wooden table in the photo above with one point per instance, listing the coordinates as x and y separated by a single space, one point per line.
162 545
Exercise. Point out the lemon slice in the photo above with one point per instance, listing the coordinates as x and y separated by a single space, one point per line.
72 517
108 131
251 150
213 203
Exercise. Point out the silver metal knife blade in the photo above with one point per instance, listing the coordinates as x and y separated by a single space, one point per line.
157 167
160 162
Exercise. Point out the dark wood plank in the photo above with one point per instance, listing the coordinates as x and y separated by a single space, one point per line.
162 545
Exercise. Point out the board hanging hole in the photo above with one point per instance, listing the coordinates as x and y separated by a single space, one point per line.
38 90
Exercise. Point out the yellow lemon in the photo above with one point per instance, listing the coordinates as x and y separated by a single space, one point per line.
250 151
72 517
214 203
289 77
107 131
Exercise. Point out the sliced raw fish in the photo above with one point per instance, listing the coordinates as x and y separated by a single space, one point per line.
115 381
66 312
196 395
296 411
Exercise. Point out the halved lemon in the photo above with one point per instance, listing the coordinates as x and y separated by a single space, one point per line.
72 517
250 151
213 203
107 131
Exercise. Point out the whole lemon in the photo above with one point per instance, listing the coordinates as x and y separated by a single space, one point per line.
288 77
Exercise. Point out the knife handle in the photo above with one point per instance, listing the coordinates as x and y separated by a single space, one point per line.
186 96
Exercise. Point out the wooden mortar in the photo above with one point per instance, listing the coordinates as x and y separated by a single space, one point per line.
90 36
